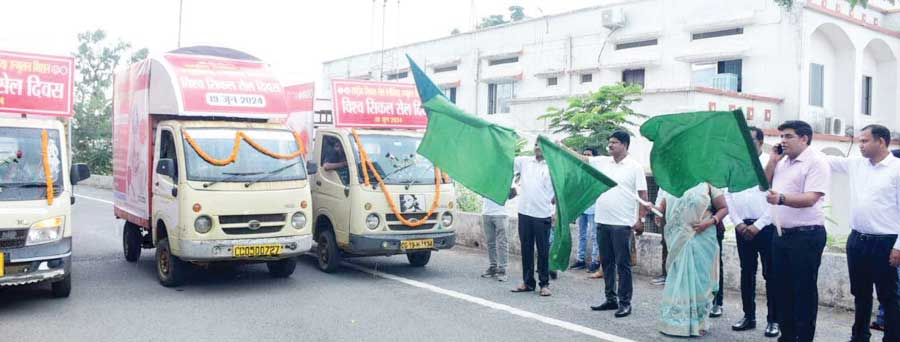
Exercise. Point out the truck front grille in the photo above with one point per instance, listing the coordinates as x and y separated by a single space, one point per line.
394 222
233 219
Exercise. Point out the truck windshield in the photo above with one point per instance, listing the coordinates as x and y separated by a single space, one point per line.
22 176
396 159
251 165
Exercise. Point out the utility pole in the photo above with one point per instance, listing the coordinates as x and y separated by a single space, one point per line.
383 16
180 10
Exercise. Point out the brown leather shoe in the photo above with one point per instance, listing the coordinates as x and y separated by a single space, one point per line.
545 292
596 275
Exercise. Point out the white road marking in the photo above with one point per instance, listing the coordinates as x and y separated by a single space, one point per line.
494 305
95 199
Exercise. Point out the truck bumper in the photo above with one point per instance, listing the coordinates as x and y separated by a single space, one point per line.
222 250
390 244
34 264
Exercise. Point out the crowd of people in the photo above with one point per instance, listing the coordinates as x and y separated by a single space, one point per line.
781 229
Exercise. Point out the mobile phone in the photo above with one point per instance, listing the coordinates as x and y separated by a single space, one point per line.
779 148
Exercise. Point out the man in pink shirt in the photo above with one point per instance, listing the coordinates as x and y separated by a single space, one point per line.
799 184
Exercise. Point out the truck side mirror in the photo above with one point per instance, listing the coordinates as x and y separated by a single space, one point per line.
78 173
312 167
166 167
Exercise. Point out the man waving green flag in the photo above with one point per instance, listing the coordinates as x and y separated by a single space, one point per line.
576 185
476 153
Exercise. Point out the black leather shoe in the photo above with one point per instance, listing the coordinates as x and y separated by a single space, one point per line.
744 324
624 310
716 311
606 306
772 330
553 275
578 265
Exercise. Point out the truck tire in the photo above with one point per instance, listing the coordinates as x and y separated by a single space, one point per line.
169 268
62 288
327 251
282 268
131 242
419 259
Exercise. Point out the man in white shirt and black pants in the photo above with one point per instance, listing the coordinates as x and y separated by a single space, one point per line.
619 216
536 207
754 231
873 250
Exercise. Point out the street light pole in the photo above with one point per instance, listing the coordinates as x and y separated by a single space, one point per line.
180 10
383 16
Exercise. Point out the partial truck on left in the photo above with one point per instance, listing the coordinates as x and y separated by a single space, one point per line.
37 176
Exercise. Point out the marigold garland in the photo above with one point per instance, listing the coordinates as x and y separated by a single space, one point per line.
45 154
387 195
237 145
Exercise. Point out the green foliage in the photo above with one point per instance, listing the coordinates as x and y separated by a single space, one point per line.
853 3
95 61
468 201
590 119
516 13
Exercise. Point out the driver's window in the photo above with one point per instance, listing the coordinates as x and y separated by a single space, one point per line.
334 159
167 148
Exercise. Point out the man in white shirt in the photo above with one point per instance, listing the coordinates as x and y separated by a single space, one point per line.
754 230
495 225
873 250
536 208
618 216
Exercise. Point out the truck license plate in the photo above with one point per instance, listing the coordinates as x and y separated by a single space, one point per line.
2 258
257 251
417 244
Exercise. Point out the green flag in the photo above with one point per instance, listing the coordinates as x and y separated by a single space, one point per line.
713 147
476 153
576 185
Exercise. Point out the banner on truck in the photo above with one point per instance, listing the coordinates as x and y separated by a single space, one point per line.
377 105
210 86
300 101
36 84
131 140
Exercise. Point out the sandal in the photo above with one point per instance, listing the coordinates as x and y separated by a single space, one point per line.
523 288
545 292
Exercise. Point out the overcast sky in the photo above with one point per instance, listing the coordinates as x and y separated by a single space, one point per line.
295 36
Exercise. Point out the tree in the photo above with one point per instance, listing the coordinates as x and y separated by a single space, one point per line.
492 20
853 3
589 120
95 61
516 13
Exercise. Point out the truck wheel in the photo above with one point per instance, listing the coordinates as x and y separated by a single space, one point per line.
62 288
419 259
169 269
282 268
131 242
329 255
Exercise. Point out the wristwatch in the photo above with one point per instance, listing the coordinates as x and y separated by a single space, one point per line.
780 199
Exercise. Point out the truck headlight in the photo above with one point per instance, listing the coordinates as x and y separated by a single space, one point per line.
45 231
203 224
446 219
298 221
372 221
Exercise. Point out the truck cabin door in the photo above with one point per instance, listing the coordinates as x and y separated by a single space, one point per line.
333 184
165 179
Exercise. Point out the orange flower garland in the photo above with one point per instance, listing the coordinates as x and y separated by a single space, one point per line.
237 145
387 195
47 172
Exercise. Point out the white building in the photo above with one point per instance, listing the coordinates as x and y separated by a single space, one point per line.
819 62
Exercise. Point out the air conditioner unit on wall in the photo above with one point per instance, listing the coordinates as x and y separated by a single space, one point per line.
613 18
834 126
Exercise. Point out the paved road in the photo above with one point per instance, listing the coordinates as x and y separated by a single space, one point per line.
371 299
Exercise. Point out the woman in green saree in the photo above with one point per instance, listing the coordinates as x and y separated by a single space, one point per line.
692 266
